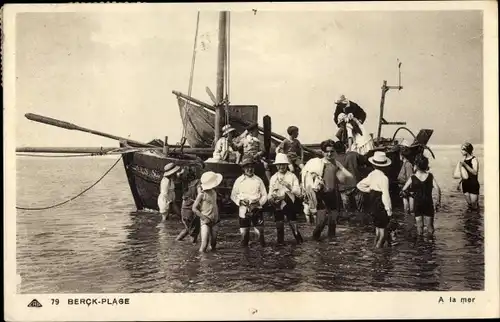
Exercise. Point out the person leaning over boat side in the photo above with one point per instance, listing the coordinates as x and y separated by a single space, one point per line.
293 149
250 143
205 206
166 198
404 174
249 193
352 161
190 221
422 183
345 116
377 185
224 148
284 194
470 184
327 195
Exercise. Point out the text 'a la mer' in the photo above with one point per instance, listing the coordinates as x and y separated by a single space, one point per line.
462 300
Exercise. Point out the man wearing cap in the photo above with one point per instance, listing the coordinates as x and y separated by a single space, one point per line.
166 198
331 172
249 193
347 115
224 148
284 194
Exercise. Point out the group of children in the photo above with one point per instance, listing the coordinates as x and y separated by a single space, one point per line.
316 193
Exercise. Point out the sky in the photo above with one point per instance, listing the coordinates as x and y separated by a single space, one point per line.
115 71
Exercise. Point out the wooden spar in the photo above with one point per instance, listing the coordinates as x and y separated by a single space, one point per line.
71 126
221 64
381 115
238 120
104 150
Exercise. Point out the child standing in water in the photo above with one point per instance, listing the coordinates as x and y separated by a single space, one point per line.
404 174
166 198
422 183
470 184
205 206
377 185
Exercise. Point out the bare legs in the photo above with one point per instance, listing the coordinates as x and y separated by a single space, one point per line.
472 200
208 236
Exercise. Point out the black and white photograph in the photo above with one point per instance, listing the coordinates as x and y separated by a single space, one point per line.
300 153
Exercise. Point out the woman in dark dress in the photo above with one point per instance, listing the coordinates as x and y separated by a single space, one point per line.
470 186
421 184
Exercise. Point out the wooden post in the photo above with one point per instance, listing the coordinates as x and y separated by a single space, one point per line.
219 109
382 102
165 146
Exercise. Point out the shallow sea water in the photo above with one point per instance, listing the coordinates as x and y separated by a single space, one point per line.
98 244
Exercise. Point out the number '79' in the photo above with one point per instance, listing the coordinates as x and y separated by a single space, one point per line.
55 301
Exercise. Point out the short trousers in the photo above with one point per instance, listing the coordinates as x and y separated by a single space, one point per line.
327 200
290 210
255 218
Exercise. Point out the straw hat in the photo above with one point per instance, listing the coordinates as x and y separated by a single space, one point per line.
380 159
281 158
210 180
170 169
227 129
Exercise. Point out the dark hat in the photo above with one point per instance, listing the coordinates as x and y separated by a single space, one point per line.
252 126
247 160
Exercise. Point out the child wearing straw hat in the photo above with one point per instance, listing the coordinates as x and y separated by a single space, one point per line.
377 185
224 148
205 206
166 198
284 194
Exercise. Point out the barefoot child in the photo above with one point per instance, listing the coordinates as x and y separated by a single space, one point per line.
205 207
377 185
190 221
422 183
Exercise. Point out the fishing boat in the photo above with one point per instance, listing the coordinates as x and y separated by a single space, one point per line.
202 123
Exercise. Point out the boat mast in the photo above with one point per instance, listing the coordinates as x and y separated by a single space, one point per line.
221 65
385 89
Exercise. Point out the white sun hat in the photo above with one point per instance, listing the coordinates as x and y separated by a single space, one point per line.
227 129
170 169
380 159
210 180
281 158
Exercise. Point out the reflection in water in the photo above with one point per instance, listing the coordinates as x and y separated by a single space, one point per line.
427 268
474 249
382 267
140 252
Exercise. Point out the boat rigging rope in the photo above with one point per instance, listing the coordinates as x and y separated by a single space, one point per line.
78 195
191 77
58 156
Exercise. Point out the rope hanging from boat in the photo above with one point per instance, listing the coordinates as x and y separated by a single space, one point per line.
78 195
191 77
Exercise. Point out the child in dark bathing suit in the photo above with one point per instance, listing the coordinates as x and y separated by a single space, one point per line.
470 185
422 183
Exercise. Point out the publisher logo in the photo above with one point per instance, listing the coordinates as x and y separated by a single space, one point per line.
34 303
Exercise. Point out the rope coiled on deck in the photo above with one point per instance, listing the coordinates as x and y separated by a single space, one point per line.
78 195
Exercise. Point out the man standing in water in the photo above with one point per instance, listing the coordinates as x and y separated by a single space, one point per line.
328 196
249 193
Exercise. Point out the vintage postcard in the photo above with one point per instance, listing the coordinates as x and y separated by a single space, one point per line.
250 161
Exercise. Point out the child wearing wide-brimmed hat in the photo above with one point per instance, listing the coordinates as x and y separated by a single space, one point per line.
205 206
284 194
377 185
250 195
166 198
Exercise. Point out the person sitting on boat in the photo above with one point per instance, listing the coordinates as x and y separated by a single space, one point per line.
284 194
249 142
349 117
224 148
293 149
250 195
166 198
